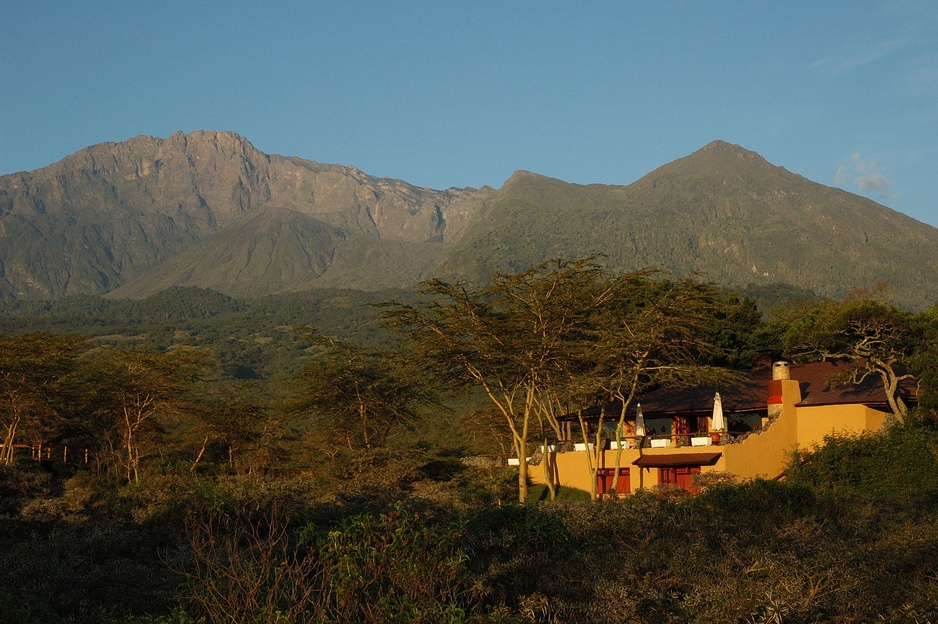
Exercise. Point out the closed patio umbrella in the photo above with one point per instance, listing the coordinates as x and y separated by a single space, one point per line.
639 421
718 422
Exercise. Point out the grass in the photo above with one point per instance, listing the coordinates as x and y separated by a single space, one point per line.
541 493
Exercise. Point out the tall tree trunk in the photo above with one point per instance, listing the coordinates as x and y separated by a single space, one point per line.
521 447
132 422
598 452
6 451
620 426
590 463
199 456
547 461
891 386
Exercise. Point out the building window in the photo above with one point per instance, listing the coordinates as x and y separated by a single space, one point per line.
681 476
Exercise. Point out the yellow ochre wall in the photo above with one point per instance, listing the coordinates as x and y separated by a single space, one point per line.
573 468
762 455
766 453
818 421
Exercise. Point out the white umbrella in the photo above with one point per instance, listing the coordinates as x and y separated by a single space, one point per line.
718 423
639 421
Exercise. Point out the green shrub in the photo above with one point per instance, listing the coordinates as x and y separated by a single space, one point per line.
397 567
754 508
892 470
253 565
86 571
21 484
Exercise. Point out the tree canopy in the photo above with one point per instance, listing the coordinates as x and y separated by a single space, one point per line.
361 392
873 337
129 392
34 371
565 334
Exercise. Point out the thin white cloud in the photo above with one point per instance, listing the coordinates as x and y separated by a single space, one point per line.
842 176
864 176
864 167
904 54
876 181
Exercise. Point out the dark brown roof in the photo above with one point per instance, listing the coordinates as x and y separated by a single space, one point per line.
677 459
751 394
815 389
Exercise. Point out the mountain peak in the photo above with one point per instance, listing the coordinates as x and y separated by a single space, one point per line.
208 208
713 162
728 149
220 141
524 176
720 144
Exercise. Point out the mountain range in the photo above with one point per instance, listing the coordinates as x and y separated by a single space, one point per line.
208 209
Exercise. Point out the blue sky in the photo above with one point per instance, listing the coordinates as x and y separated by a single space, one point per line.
457 93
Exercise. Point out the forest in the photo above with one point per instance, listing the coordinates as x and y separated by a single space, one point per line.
338 456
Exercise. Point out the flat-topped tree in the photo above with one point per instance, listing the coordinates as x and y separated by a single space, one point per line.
925 361
130 393
874 337
511 337
361 392
651 331
565 334
34 370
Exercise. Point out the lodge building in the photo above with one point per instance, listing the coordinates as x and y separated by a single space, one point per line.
749 431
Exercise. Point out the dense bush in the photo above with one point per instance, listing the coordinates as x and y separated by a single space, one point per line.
253 566
895 470
829 544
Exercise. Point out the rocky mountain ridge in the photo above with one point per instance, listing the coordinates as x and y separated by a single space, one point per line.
208 209
113 212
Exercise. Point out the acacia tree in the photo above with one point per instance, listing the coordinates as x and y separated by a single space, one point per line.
130 391
873 337
362 392
650 332
33 371
488 425
511 337
925 360
237 420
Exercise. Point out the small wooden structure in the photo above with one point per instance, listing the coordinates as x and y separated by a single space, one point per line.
56 453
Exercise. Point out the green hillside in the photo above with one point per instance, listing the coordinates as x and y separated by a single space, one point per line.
723 212
209 210
262 337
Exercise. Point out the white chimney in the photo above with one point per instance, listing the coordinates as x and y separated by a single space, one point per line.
781 371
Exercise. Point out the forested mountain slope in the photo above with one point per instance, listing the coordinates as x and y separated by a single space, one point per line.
722 211
207 209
